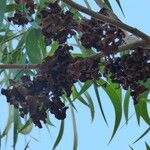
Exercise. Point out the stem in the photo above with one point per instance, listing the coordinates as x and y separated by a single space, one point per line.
19 66
103 18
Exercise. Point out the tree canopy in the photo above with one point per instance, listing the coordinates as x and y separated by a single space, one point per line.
53 52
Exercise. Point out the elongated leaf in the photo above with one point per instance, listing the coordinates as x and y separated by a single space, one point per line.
27 146
75 145
85 87
32 47
119 4
60 134
126 105
137 108
26 128
147 146
9 122
2 10
131 147
16 125
90 102
108 4
99 102
145 133
76 95
116 101
144 112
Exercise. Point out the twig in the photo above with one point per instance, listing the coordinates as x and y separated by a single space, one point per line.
103 18
19 66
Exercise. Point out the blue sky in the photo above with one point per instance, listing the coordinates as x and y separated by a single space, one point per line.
95 135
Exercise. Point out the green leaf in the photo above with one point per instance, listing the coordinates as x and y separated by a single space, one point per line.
27 146
16 126
99 102
142 111
126 105
119 4
88 97
85 86
26 128
116 101
2 10
60 134
9 122
147 146
108 4
32 47
54 46
76 95
75 145
11 7
145 133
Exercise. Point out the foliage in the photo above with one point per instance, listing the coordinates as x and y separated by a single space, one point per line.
42 39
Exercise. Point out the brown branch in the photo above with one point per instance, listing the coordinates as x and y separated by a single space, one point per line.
103 18
131 46
19 66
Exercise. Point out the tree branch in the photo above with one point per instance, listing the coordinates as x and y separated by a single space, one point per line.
103 18
19 66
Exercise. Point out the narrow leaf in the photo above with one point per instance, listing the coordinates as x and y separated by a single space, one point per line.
147 146
90 101
26 128
116 101
2 10
126 105
9 122
119 4
16 125
60 134
75 145
76 95
145 133
99 102
108 4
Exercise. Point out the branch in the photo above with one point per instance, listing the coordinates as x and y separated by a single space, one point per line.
103 18
133 45
19 66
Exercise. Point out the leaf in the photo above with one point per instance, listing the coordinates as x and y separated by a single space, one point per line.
27 146
108 4
145 133
85 86
75 145
131 147
32 47
119 4
116 101
60 134
2 10
76 95
54 46
26 128
147 146
9 122
16 125
144 112
126 105
99 102
89 99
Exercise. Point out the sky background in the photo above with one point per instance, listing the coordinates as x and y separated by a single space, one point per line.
95 135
